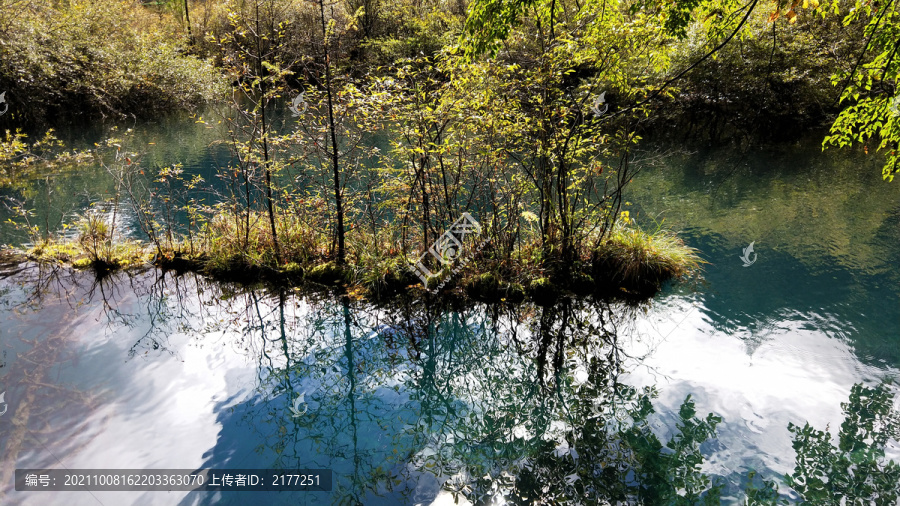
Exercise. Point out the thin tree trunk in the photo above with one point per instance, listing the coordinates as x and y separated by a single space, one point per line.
339 207
265 140
426 205
187 17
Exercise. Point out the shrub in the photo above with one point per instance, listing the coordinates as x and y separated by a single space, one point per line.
61 60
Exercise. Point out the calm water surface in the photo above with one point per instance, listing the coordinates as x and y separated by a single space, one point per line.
416 404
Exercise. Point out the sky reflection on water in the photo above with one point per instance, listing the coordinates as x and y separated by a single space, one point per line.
148 371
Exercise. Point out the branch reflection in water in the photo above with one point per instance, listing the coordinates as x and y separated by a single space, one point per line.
411 402
414 400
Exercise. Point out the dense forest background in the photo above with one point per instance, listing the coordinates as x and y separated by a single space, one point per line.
784 63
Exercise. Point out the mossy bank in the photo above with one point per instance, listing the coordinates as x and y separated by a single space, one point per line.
629 264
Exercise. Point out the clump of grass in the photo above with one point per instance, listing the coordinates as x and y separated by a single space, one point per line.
234 266
639 262
490 287
226 236
230 245
95 246
581 283
387 277
293 270
543 292
119 255
297 240
329 273
95 239
50 250
484 286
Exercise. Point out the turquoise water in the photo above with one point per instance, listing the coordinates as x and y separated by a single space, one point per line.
416 404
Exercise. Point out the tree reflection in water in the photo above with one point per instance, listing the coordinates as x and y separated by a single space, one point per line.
856 470
522 402
406 401
414 400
